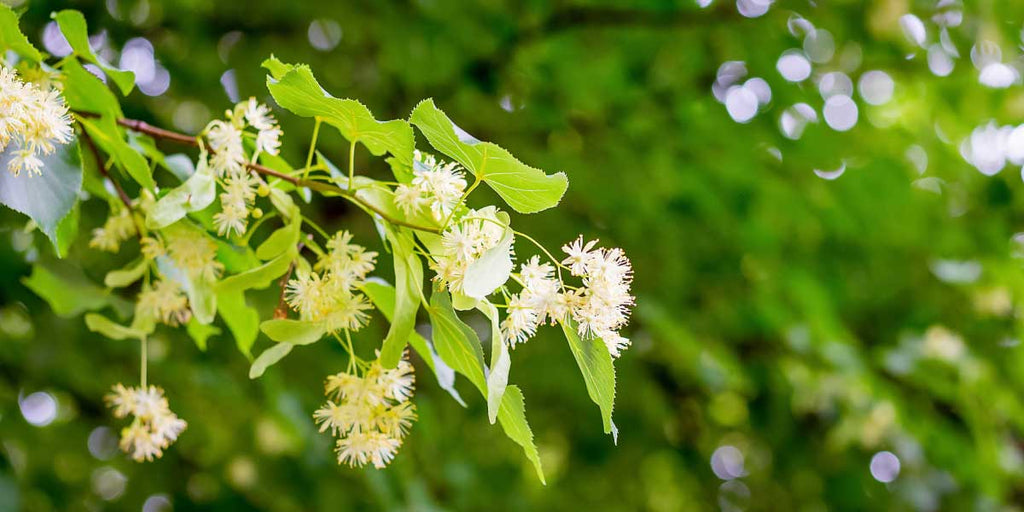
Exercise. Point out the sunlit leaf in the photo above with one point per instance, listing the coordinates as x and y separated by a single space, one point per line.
102 325
501 362
12 38
268 358
598 373
295 88
524 188
72 25
126 276
243 320
201 332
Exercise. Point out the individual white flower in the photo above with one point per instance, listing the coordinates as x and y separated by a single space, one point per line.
579 254
228 157
258 115
320 299
409 198
269 141
521 322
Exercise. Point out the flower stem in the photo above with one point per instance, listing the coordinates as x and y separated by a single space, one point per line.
143 357
351 163
312 147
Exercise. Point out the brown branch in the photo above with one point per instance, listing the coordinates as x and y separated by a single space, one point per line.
160 133
281 311
103 169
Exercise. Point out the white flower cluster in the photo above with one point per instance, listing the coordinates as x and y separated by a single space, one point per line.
154 426
32 120
435 184
329 295
465 242
370 415
229 160
118 227
599 308
191 251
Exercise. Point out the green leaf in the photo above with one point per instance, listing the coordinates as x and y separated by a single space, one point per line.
491 270
295 89
456 342
269 358
512 416
12 38
86 92
198 192
108 136
281 240
126 276
242 319
69 292
200 332
100 324
202 298
72 25
524 188
409 283
47 198
501 362
293 332
67 230
261 276
598 373
382 294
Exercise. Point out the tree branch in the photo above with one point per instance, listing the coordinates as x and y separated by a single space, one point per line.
160 133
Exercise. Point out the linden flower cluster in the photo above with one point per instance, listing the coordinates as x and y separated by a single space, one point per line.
165 301
32 120
118 227
435 184
328 294
465 242
599 308
370 415
190 250
229 160
153 428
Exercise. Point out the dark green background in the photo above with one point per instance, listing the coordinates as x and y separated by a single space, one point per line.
777 312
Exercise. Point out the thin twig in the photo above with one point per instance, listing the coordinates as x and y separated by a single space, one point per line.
160 133
281 311
103 169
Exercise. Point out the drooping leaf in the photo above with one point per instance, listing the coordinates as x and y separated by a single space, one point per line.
382 294
293 332
491 270
126 276
196 193
180 165
501 362
201 332
12 38
108 136
268 358
512 416
102 325
202 299
72 25
46 198
295 89
69 292
598 373
524 188
456 343
243 320
409 285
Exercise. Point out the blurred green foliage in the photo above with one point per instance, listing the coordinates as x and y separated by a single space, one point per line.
791 317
